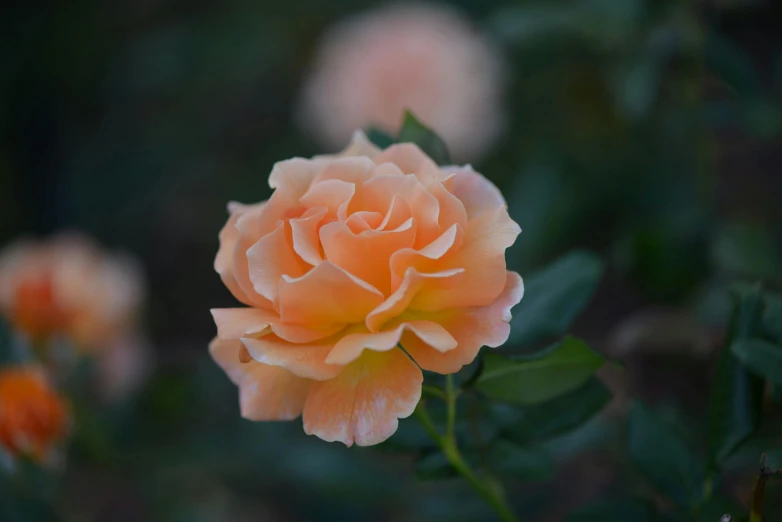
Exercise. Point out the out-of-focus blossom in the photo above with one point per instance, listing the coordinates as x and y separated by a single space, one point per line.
123 367
352 257
33 417
68 287
426 58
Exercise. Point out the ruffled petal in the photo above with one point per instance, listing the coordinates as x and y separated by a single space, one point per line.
325 296
249 224
425 259
411 160
332 194
360 146
350 347
482 256
363 404
297 333
379 193
224 261
271 258
364 220
471 327
413 282
476 193
235 323
265 392
366 255
306 360
451 209
355 170
304 232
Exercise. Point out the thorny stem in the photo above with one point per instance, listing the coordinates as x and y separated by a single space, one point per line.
488 488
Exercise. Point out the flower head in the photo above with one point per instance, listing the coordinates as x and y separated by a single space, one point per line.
33 418
426 58
67 286
352 257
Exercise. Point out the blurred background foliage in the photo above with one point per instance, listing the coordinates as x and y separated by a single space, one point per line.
648 132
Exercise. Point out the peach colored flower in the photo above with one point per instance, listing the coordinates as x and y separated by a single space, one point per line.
352 256
426 58
66 286
33 417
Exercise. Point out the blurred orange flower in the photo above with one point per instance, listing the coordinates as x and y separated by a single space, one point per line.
33 418
67 286
426 58
352 256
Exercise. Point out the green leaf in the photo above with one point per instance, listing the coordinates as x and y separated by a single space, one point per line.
619 510
541 376
380 138
413 131
554 297
772 316
737 395
555 417
664 456
526 463
760 357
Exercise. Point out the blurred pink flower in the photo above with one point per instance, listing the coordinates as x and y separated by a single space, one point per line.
67 286
426 58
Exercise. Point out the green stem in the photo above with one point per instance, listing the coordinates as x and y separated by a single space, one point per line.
487 487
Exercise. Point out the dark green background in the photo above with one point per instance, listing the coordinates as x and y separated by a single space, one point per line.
647 131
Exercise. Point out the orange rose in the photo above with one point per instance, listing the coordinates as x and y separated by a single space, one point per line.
353 257
67 286
33 418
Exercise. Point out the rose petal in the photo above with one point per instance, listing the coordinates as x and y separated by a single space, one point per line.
224 261
363 404
350 347
425 259
360 146
398 213
265 392
451 209
304 232
379 192
248 225
301 334
471 327
325 296
412 284
366 255
476 193
364 220
482 256
271 258
302 359
411 160
332 194
235 323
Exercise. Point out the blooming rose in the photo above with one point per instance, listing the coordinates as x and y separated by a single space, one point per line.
33 418
426 58
352 257
67 286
